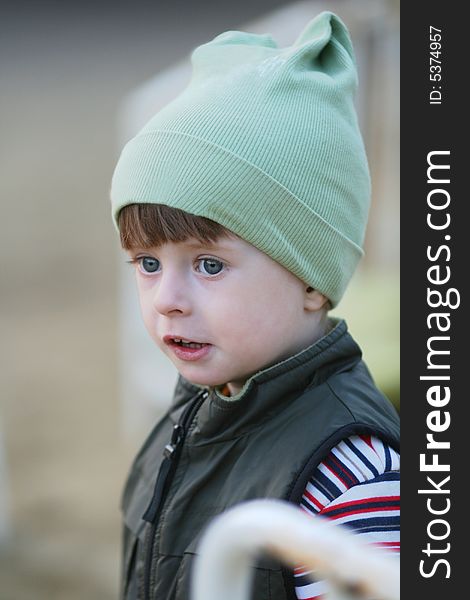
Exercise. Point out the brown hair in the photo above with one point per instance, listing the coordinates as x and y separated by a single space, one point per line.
151 225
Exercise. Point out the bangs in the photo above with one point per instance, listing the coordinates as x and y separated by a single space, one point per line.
151 225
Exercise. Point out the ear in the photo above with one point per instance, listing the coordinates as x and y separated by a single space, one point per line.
313 299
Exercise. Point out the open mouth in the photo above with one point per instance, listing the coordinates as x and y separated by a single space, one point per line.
183 342
186 343
187 350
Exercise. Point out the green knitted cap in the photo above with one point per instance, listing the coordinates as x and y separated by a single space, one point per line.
265 141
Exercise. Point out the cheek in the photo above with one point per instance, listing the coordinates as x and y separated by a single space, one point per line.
273 314
252 318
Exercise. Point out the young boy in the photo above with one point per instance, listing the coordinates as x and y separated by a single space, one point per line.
243 205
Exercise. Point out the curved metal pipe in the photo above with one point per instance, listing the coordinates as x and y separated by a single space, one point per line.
235 538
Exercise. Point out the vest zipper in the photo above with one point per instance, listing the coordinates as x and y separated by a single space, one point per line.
167 469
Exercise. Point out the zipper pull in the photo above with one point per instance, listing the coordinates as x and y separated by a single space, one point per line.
158 492
176 438
169 453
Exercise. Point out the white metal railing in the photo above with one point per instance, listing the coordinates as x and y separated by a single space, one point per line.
235 538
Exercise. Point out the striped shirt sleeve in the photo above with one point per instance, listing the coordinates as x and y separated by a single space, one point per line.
357 485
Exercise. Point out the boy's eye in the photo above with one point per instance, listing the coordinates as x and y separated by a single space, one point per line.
210 266
149 264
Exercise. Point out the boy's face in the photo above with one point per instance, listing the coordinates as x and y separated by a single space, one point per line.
223 311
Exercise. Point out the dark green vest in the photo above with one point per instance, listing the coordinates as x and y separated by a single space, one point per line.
264 445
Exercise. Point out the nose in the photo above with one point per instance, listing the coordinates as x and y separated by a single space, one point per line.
171 295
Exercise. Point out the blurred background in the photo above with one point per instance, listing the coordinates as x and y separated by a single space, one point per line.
80 383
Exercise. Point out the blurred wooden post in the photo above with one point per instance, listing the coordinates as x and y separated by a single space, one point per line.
5 522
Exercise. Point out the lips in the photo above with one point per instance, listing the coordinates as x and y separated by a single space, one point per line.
187 349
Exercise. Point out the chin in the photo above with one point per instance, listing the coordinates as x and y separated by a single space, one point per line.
201 378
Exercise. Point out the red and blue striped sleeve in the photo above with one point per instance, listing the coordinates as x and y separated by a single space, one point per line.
358 486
